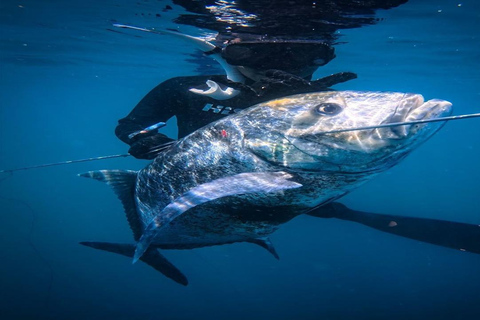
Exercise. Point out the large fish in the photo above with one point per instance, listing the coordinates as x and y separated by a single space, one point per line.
240 178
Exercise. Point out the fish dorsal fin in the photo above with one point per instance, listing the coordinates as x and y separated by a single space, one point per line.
267 244
243 183
123 184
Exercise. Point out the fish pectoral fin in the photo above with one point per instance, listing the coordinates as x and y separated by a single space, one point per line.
123 184
243 183
151 257
267 244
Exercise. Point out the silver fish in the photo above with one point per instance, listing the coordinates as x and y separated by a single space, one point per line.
240 178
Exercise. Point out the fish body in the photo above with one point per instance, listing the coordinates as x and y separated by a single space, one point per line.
280 135
213 186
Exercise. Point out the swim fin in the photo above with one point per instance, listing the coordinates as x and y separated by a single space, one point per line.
455 235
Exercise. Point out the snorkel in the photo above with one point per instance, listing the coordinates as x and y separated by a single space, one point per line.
248 59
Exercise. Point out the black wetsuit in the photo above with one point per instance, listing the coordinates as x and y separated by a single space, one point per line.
193 111
173 98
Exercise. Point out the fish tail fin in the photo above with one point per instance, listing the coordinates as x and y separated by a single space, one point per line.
152 257
123 184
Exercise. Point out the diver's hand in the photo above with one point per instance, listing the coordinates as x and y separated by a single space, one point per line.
278 82
150 146
275 82
331 80
285 78
293 81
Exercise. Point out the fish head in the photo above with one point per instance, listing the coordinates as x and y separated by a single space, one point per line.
297 124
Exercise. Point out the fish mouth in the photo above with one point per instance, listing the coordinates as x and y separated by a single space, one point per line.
412 107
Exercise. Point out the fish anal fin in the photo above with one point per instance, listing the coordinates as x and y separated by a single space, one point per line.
151 257
126 250
123 184
156 260
267 244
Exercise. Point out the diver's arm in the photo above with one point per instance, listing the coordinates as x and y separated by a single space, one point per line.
331 80
160 104
278 81
157 106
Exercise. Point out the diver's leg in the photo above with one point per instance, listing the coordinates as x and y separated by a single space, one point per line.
456 235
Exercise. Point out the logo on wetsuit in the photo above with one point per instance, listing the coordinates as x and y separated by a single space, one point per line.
219 109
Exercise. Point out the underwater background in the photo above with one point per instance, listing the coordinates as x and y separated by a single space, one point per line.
65 80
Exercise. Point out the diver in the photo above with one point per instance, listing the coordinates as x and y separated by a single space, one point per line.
264 70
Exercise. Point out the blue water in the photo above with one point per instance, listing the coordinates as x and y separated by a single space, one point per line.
64 82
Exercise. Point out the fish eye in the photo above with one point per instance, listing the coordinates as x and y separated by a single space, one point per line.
329 109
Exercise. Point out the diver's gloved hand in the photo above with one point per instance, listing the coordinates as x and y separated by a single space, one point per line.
285 78
331 80
150 146
277 81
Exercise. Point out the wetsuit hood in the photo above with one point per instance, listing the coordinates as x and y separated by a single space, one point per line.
298 57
